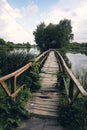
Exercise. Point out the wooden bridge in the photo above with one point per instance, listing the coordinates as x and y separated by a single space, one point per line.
45 101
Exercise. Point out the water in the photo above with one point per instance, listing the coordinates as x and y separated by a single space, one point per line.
78 62
33 51
11 60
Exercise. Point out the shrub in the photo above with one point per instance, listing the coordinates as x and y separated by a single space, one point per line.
73 117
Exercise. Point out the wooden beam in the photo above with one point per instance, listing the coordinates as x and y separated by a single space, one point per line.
71 87
15 83
71 76
5 88
16 92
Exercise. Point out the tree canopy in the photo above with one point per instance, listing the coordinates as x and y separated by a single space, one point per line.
2 41
53 35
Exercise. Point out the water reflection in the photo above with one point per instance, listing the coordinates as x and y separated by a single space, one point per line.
33 51
78 61
11 60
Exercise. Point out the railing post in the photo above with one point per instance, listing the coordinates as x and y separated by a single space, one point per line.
14 83
71 86
75 96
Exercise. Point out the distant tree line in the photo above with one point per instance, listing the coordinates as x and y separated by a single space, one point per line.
9 44
76 45
53 35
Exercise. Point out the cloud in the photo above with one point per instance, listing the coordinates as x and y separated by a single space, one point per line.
74 10
12 24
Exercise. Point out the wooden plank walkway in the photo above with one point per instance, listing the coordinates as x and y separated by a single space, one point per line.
45 101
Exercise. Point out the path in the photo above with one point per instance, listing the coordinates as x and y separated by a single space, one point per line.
44 103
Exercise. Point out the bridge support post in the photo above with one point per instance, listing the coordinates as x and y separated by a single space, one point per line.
13 84
71 87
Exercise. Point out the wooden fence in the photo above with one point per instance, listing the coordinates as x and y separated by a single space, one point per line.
17 73
74 88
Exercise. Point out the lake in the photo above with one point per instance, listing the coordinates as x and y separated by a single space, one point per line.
33 51
78 62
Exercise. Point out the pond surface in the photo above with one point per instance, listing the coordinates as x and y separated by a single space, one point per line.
78 62
33 51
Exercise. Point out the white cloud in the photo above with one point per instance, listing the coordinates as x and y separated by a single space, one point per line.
74 10
12 25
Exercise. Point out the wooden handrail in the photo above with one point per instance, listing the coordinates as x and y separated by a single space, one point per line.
69 89
73 81
15 74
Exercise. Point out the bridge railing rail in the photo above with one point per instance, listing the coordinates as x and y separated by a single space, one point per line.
14 90
74 88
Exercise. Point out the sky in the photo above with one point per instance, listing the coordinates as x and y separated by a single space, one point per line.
19 18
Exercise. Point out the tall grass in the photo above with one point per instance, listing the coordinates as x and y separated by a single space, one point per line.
12 112
74 117
11 62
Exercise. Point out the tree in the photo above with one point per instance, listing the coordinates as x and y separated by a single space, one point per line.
39 35
53 35
10 44
64 33
2 42
49 35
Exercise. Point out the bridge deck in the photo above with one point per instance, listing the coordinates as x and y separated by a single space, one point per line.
45 101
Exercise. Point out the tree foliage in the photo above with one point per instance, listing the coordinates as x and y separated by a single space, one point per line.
2 42
53 35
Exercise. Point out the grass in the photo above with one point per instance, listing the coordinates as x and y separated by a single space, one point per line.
74 117
12 112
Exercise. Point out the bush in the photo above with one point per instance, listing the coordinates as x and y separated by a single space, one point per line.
12 112
73 117
11 62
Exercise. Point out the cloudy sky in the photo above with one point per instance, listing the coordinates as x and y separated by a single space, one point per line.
19 18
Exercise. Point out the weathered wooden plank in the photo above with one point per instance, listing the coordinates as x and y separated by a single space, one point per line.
46 100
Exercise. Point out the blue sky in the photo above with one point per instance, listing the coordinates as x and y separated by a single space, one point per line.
19 18
43 4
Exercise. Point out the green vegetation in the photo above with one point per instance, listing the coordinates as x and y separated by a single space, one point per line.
77 46
10 62
12 112
10 45
53 35
72 117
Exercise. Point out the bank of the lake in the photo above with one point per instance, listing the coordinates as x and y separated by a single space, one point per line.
74 117
78 62
12 112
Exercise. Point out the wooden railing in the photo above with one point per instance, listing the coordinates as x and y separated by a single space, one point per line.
74 88
17 73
